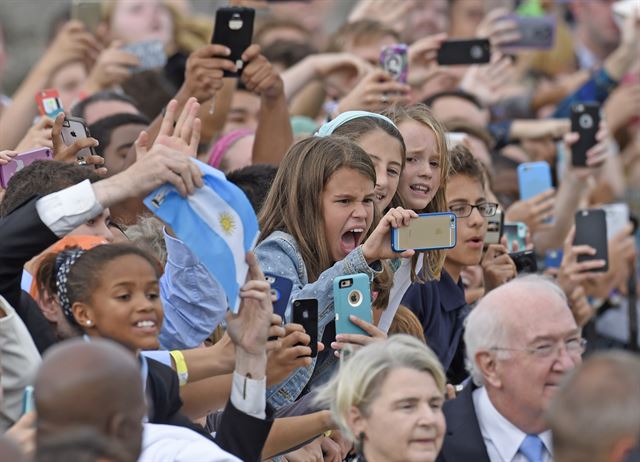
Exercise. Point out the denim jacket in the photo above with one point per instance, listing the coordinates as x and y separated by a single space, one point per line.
278 254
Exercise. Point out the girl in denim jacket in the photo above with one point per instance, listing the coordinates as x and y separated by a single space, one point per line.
314 223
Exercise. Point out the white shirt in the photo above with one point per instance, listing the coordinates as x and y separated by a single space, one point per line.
401 282
501 438
65 210
169 443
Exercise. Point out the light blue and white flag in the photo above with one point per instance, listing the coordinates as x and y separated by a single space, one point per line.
217 223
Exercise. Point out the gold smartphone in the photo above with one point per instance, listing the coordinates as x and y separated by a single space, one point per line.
428 231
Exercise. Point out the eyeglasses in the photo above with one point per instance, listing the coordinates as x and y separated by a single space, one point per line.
486 209
574 347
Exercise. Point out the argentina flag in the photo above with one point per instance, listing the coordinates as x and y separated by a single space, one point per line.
217 223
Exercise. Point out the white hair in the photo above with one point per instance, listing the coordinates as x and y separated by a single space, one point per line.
485 327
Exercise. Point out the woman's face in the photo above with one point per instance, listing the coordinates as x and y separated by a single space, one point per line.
69 80
405 423
386 153
141 20
420 179
347 211
125 306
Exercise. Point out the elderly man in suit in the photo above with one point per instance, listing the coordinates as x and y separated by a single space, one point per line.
520 340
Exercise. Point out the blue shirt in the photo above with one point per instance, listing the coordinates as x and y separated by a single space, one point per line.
441 308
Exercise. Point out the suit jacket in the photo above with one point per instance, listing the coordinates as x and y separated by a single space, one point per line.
463 440
238 433
23 236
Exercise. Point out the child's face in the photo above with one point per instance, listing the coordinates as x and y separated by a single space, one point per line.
386 153
125 307
420 179
347 211
471 230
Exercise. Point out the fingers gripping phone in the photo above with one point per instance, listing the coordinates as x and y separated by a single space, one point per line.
234 29
453 52
21 161
305 313
585 120
73 129
352 295
280 293
494 228
591 230
394 59
428 231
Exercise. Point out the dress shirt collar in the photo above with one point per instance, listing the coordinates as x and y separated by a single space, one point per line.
505 436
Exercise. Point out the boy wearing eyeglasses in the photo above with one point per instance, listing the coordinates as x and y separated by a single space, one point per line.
440 305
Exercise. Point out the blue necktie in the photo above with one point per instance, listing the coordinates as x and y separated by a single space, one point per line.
531 448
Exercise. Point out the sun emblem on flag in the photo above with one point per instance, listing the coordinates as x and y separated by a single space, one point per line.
227 223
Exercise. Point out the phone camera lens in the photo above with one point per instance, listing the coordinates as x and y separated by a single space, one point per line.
355 298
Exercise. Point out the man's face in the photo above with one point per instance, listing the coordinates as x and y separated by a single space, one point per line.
465 16
118 155
529 379
101 109
243 112
596 17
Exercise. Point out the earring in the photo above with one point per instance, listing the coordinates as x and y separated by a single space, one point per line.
88 323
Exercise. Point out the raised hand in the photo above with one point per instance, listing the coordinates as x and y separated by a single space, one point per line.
357 341
204 71
422 56
292 354
38 136
497 266
534 211
112 67
259 75
73 43
374 92
378 244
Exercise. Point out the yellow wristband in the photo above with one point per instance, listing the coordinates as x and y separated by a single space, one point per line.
181 366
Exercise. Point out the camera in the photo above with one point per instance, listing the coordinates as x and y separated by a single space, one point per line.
525 261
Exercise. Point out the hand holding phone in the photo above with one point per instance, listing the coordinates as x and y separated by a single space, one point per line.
536 32
394 59
352 296
234 29
585 120
591 230
280 293
74 129
21 161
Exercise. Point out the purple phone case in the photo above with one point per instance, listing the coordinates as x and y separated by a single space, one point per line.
21 161
536 32
394 60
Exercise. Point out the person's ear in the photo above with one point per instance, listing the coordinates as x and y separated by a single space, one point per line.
83 315
50 306
488 366
356 421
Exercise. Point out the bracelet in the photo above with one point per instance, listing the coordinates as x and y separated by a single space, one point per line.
181 367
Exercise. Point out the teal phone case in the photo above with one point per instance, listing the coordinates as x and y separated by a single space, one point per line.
351 295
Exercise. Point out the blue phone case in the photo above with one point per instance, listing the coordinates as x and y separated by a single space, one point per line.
281 289
451 226
553 258
533 178
28 404
351 295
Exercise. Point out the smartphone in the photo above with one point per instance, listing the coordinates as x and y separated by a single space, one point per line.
494 228
352 295
591 230
234 29
515 232
150 54
533 178
21 161
394 60
476 51
585 120
49 104
428 231
280 293
536 32
305 313
73 129
28 403
525 261
618 216
88 12
553 258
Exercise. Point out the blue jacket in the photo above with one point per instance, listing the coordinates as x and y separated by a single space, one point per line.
278 254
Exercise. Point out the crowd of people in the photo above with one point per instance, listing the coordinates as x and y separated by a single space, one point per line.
117 341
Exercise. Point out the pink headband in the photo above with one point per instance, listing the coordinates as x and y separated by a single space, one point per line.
221 146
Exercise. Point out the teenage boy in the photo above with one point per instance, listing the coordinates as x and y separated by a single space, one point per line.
440 305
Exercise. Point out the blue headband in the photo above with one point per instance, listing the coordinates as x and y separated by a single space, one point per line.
328 128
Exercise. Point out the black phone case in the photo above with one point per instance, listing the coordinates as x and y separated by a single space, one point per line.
585 119
454 52
237 39
305 313
525 261
591 230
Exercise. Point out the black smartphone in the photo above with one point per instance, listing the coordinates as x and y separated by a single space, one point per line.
585 120
591 230
525 261
234 29
476 51
305 313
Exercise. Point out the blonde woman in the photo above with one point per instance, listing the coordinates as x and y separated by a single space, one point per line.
387 399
